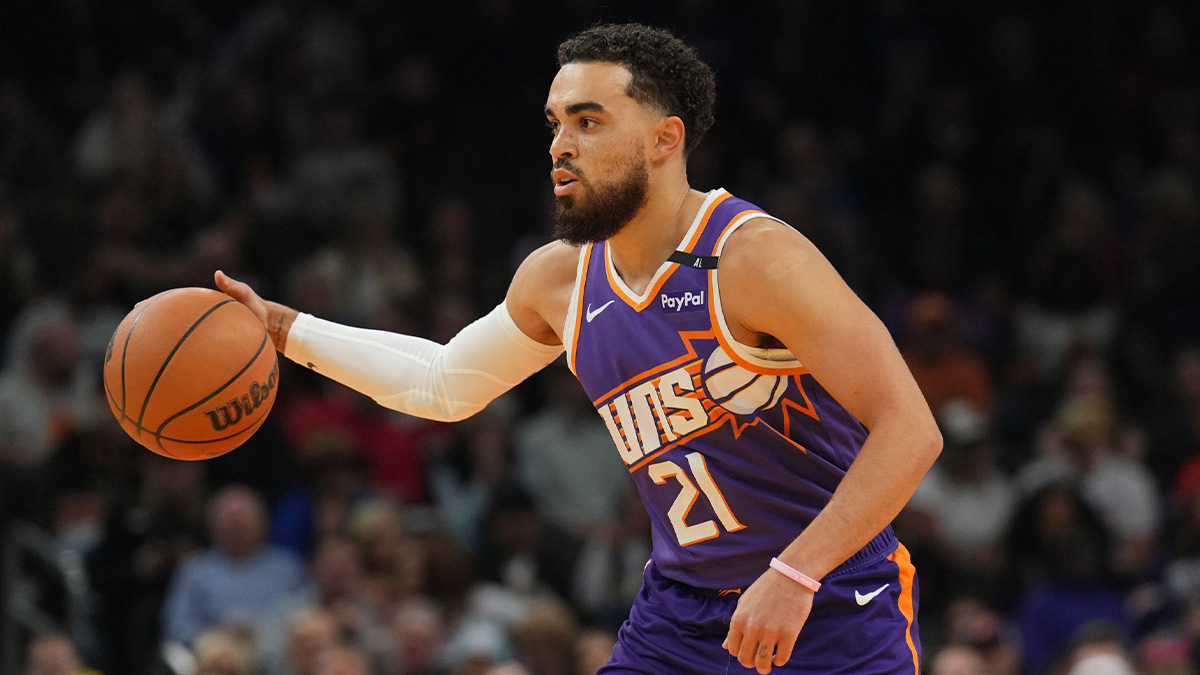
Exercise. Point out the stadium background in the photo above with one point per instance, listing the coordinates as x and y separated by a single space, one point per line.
1011 186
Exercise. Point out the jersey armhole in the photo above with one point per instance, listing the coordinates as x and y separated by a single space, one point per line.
571 329
754 359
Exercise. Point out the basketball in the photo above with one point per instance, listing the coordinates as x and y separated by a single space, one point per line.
190 373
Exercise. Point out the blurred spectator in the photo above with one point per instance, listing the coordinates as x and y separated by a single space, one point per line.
811 194
1175 446
943 248
958 660
388 445
312 633
1167 284
1076 278
509 669
342 660
1082 446
943 365
469 465
565 458
419 636
1098 649
334 484
523 553
970 622
968 497
237 580
366 268
392 563
119 138
53 654
1064 565
593 649
338 169
1166 654
451 232
336 590
608 575
476 647
45 390
546 639
222 651
144 542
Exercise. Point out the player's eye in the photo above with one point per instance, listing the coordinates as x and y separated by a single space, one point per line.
552 126
588 123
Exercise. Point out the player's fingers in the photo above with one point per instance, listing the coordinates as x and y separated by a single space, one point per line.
733 641
762 657
783 650
227 284
240 291
749 651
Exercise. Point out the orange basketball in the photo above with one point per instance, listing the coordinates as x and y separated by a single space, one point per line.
190 373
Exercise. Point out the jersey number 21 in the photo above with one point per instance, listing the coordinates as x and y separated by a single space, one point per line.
696 532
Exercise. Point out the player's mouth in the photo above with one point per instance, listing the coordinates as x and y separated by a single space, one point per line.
564 182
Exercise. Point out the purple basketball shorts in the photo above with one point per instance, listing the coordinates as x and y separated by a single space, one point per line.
863 621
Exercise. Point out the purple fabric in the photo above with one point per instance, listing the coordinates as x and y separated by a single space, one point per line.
673 628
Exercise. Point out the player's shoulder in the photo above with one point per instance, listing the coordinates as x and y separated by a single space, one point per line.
760 241
540 292
551 264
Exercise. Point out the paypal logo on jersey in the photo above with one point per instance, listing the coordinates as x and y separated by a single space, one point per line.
683 301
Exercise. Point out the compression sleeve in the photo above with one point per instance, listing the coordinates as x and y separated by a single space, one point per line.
419 377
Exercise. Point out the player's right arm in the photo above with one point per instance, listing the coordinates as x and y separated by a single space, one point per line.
423 378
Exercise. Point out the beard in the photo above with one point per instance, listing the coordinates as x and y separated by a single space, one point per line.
607 209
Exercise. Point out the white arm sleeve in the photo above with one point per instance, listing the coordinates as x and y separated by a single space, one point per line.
416 376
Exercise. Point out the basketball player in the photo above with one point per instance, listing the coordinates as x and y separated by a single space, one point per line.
764 413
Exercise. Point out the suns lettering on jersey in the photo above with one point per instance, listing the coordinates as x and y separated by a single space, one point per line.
655 412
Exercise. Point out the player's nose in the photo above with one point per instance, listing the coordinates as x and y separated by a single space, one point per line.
563 146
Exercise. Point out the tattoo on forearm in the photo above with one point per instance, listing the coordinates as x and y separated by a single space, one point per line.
276 328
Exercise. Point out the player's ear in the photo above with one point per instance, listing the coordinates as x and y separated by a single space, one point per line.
668 139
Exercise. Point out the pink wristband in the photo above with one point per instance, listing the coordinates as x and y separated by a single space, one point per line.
795 575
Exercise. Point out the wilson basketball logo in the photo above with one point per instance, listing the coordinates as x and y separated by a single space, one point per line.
738 390
232 412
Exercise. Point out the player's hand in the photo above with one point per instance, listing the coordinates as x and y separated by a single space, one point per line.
241 291
767 621
276 318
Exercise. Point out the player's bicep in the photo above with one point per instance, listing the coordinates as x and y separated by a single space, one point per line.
776 282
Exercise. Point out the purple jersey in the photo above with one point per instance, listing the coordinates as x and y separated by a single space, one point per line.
734 449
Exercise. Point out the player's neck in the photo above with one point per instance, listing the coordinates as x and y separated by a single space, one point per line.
654 233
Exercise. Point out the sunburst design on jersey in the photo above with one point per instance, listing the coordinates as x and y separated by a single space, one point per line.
677 405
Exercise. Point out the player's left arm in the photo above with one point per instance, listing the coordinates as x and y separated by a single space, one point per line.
774 282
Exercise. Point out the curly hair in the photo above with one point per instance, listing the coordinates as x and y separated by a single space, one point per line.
667 73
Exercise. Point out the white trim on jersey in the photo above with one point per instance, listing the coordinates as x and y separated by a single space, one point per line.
770 359
569 336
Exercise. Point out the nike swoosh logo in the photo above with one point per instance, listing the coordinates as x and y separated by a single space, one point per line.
864 599
591 315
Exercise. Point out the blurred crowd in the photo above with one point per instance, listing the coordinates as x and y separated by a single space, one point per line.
1013 187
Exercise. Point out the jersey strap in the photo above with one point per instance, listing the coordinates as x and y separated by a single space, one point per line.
700 262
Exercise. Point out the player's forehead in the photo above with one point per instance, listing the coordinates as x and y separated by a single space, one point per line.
600 82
